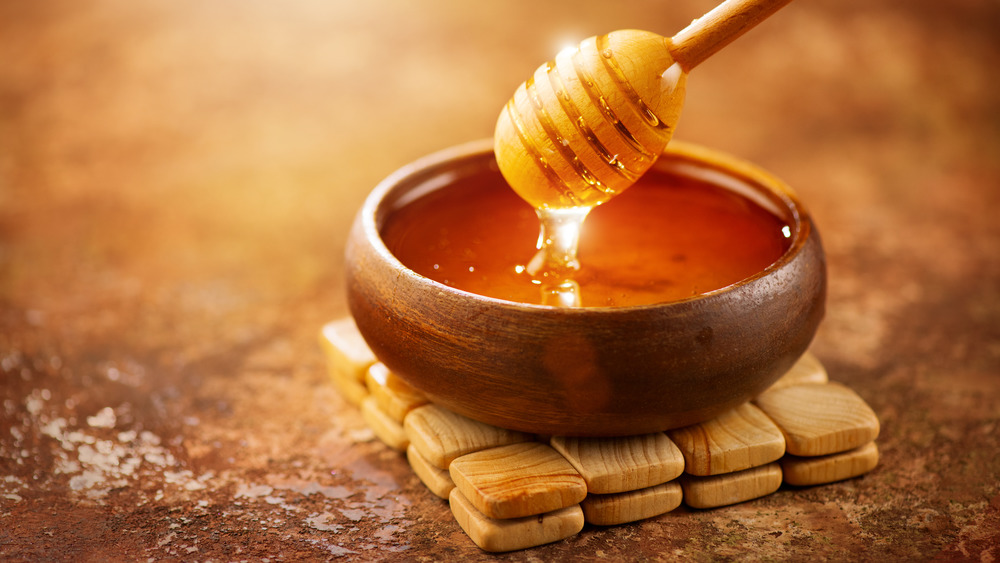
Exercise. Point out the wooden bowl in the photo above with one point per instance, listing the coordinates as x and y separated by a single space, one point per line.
602 371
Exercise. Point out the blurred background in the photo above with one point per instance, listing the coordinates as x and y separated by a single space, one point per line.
177 180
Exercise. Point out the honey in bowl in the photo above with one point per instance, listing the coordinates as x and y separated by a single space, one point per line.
669 237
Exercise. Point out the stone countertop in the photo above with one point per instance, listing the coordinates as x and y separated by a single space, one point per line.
176 185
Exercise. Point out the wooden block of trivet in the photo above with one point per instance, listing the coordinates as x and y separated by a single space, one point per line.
820 419
731 488
441 435
349 388
518 480
615 465
630 506
345 348
437 480
738 439
803 471
348 358
495 535
383 425
394 396
807 369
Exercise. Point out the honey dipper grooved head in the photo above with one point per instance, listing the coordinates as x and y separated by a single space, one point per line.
588 124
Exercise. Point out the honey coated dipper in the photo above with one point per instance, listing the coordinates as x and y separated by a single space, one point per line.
588 124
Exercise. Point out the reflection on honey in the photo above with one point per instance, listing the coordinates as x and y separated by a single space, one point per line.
669 237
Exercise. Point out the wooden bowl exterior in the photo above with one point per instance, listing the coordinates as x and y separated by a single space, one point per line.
585 371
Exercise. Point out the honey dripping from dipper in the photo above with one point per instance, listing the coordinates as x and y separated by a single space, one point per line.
559 136
591 122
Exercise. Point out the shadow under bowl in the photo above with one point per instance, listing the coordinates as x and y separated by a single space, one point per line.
594 371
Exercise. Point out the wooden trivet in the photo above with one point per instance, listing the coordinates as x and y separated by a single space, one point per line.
511 490
617 465
518 480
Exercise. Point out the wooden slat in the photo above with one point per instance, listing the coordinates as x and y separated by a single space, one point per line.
395 397
804 471
615 465
731 488
518 480
349 388
437 480
345 349
383 425
441 435
820 419
808 369
519 533
630 506
738 439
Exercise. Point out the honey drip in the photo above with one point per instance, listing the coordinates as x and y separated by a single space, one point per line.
585 134
556 262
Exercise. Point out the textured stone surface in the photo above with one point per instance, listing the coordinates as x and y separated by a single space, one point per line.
176 184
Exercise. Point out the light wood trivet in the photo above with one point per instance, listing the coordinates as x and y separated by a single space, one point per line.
616 465
393 395
630 506
731 488
807 370
803 471
436 479
518 480
348 358
738 439
441 435
492 534
542 489
383 425
820 419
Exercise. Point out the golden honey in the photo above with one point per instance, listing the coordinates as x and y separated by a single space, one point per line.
668 237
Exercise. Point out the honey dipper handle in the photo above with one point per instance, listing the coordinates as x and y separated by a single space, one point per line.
718 28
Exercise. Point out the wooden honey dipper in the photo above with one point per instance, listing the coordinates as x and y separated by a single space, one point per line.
588 124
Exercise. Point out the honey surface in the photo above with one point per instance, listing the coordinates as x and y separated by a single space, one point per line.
666 238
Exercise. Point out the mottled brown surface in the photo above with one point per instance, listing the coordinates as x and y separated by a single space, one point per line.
176 183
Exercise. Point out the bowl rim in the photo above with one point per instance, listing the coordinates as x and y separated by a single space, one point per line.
711 158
